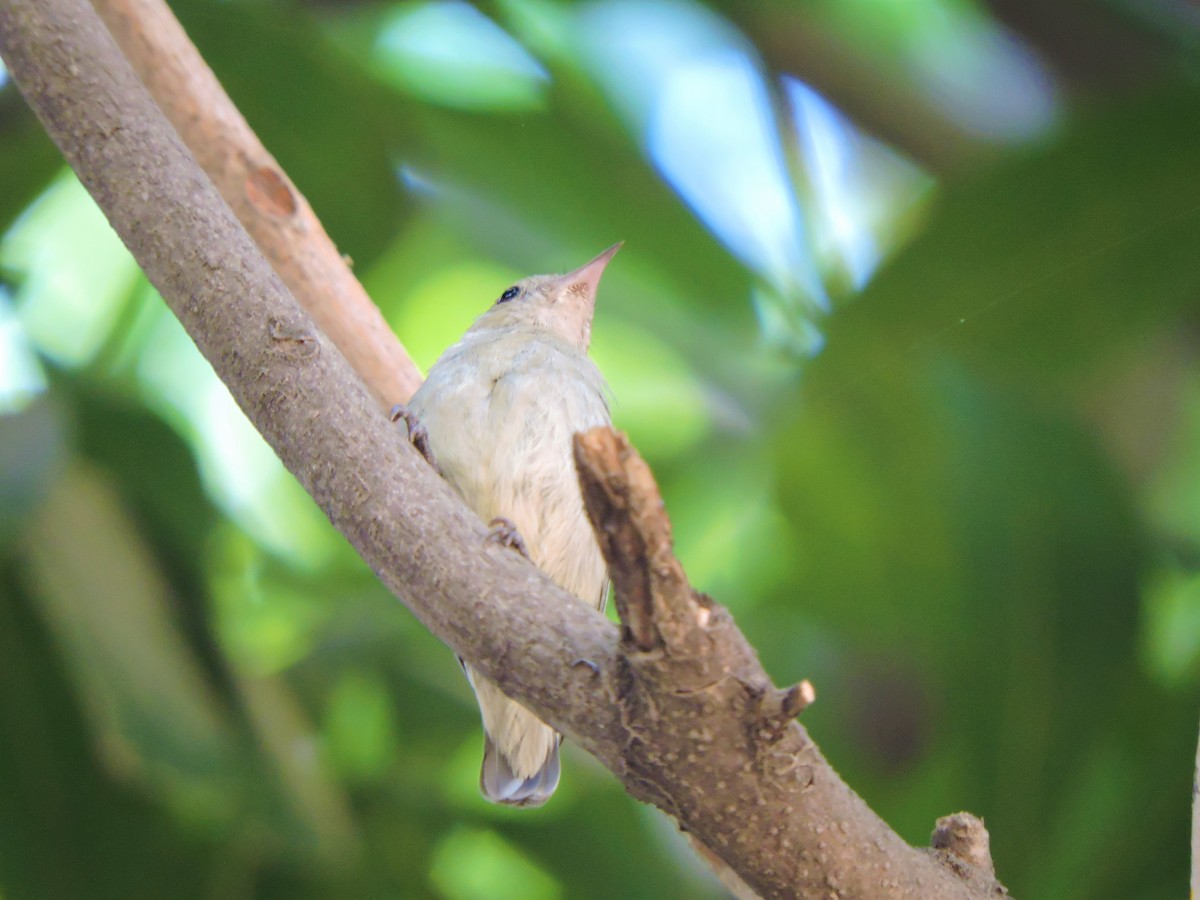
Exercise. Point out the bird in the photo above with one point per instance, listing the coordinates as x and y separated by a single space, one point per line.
496 415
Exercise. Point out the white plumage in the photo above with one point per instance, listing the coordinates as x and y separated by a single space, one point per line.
500 408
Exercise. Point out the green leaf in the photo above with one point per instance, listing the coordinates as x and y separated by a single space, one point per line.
154 714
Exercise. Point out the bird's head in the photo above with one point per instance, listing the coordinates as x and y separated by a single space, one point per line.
562 304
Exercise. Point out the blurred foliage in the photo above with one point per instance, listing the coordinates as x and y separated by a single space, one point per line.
959 491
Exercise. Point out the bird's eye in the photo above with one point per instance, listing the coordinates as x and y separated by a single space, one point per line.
509 294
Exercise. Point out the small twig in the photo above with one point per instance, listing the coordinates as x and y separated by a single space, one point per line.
964 837
777 708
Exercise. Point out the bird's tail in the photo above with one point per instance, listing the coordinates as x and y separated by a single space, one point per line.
500 784
520 751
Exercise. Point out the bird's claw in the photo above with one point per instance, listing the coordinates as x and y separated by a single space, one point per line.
592 667
504 533
418 436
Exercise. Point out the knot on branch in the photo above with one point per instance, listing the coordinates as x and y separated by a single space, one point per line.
777 708
270 193
290 340
964 837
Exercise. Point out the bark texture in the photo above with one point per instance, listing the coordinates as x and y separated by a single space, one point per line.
1196 827
676 704
260 194
708 737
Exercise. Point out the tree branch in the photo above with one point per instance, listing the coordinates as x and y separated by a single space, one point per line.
708 737
260 194
1196 826
794 42
692 724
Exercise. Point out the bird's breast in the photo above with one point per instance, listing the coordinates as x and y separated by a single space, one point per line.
501 418
507 410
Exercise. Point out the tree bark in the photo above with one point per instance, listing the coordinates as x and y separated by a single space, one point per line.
259 192
677 704
1196 826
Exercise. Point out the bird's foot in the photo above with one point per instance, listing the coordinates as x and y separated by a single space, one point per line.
418 436
504 533
592 667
